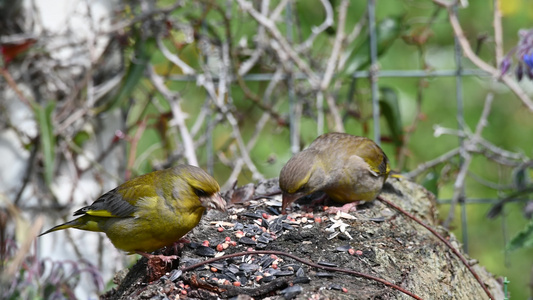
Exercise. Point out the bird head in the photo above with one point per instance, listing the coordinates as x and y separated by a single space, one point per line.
204 186
301 176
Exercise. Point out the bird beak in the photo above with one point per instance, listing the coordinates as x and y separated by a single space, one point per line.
214 202
288 199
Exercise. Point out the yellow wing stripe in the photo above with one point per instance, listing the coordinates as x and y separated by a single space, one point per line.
100 213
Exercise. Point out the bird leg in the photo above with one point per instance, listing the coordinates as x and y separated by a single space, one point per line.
177 246
314 201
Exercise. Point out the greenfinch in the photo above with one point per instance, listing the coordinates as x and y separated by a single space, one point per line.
346 168
151 211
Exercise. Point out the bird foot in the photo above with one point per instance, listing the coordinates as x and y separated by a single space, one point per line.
346 208
155 259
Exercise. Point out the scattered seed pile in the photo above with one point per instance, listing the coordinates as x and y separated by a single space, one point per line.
376 240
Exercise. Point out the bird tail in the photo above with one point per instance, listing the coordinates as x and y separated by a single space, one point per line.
84 223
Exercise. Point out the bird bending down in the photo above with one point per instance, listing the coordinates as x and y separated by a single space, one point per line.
345 167
150 211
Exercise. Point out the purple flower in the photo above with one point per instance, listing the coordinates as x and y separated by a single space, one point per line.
505 64
528 59
519 72
523 52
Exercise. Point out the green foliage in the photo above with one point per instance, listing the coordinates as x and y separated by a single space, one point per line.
431 182
390 109
47 137
143 50
388 30
81 137
524 239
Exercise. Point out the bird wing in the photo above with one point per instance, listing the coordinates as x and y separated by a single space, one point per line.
121 201
110 204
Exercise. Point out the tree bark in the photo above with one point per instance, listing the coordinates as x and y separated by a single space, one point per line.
375 240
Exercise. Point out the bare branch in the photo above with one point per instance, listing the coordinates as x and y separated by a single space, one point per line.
218 96
174 100
277 11
249 146
432 163
337 45
315 31
247 65
459 185
144 16
498 32
185 68
284 44
469 53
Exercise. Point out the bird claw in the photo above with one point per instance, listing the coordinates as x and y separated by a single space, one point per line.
153 259
346 208
164 258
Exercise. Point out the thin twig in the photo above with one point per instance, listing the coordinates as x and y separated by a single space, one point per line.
276 12
459 184
11 82
469 53
185 68
283 43
498 32
247 65
144 16
334 110
432 163
337 45
249 146
328 75
217 96
328 21
173 99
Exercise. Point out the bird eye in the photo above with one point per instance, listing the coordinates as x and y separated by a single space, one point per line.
201 193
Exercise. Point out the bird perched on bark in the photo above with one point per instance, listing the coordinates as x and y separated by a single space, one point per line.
345 167
150 211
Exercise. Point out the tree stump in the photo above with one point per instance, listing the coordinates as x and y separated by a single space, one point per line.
376 240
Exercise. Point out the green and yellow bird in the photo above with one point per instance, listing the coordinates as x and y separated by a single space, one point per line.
151 211
345 167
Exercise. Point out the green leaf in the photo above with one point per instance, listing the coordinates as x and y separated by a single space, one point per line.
47 137
81 137
144 48
388 30
431 182
524 239
390 109
520 178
